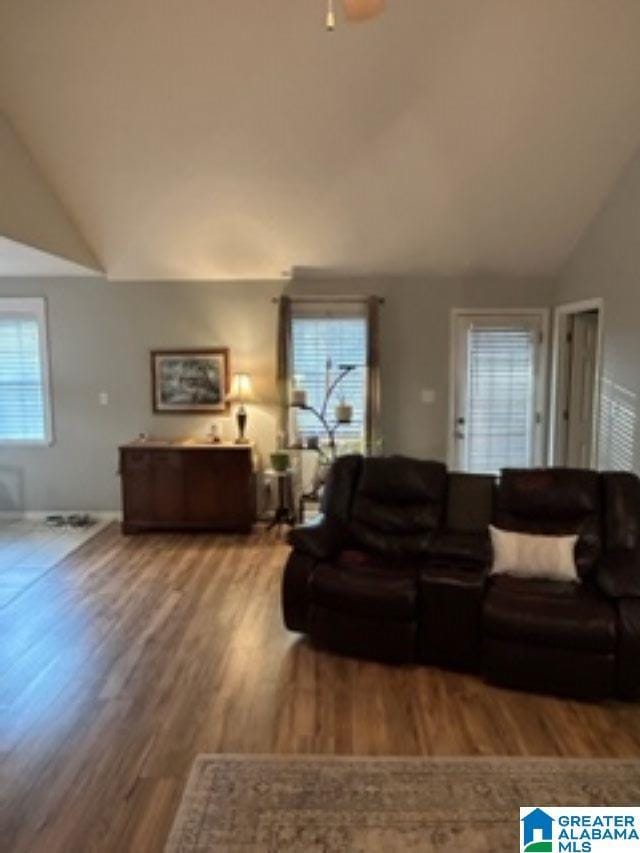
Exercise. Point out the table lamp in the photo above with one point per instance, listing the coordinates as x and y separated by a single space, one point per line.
240 392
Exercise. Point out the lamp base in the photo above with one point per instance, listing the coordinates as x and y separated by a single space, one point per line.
241 419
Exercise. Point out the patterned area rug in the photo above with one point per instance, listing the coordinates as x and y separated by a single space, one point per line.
315 804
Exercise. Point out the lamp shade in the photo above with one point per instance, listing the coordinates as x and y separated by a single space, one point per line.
241 388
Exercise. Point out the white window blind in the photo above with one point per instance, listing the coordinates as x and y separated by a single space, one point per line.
500 416
343 339
24 396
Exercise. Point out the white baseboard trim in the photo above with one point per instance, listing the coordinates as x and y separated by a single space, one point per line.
41 515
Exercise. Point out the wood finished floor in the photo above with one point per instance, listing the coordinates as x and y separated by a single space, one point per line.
124 661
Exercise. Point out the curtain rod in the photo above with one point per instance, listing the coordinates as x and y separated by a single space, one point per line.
326 298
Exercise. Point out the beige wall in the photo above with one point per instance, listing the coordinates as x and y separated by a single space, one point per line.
100 336
29 211
606 263
101 333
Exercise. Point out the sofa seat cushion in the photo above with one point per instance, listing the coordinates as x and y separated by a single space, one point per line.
559 671
549 613
449 546
363 636
451 615
372 591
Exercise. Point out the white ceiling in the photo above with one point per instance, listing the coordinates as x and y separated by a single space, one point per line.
236 138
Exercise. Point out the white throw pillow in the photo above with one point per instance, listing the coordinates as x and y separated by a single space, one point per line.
524 555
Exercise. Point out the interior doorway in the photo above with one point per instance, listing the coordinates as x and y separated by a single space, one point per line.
576 381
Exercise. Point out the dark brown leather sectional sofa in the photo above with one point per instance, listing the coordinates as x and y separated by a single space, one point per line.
397 570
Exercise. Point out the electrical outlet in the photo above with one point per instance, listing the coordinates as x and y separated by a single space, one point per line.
103 398
428 396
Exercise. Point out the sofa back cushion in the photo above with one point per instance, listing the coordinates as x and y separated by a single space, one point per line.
398 503
470 502
621 511
554 502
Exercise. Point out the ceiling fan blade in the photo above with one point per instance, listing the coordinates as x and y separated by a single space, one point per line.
362 10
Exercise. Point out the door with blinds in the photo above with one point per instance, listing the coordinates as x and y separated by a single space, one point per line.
499 391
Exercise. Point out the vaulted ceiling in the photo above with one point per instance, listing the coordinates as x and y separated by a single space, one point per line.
237 138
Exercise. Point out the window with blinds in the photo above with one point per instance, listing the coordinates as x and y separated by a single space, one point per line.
320 344
24 395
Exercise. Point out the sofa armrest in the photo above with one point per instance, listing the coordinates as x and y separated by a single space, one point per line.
628 654
618 574
320 539
295 590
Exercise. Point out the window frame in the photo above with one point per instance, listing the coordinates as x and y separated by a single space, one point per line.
323 308
356 431
37 308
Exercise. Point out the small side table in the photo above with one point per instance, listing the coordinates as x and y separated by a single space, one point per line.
312 497
284 513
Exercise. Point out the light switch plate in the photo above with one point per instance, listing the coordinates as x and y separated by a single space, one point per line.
428 396
103 398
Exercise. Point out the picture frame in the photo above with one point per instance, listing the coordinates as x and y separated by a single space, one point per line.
190 381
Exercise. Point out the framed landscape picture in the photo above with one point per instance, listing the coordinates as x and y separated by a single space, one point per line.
190 381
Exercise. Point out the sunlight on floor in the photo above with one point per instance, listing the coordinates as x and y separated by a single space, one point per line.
28 549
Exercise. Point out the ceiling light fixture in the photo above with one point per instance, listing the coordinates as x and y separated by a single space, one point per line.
354 10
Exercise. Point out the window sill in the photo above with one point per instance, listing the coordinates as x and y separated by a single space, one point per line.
20 444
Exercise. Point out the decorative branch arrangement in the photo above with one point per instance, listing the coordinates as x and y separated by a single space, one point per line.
343 411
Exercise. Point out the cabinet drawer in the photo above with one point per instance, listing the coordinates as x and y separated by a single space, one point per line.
135 460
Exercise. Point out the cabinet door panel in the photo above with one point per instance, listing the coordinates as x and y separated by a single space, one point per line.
136 472
217 487
168 487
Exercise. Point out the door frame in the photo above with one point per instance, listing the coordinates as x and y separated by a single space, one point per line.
561 313
542 381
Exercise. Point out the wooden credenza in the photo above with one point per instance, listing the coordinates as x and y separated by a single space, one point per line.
185 485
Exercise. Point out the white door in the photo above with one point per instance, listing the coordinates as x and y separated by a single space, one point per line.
583 344
498 401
